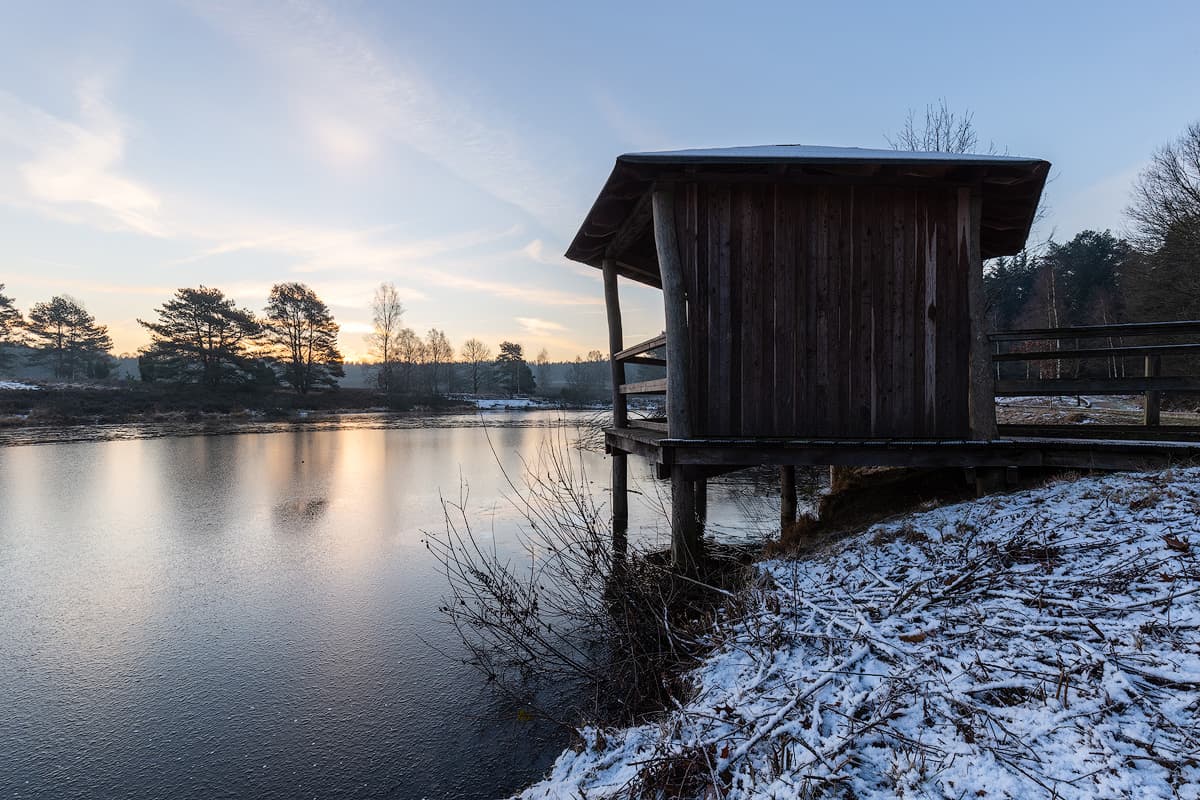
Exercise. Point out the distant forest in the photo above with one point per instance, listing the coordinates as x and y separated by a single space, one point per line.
200 338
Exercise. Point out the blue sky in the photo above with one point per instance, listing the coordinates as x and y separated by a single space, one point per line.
453 148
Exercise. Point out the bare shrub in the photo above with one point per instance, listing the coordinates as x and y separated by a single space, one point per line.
572 604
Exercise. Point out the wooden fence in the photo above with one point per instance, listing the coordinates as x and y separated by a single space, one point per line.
1050 349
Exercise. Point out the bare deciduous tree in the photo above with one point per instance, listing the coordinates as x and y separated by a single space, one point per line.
386 311
438 354
475 354
943 131
1166 195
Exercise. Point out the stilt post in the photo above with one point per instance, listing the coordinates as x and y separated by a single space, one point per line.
685 536
787 497
981 396
620 460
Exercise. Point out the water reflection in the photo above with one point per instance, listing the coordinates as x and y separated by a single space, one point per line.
249 615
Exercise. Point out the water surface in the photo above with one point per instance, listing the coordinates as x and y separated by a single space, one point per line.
254 615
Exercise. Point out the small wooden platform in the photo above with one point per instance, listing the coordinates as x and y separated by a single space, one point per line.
703 457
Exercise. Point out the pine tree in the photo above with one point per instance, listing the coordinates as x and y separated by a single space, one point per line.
303 337
10 324
64 334
201 336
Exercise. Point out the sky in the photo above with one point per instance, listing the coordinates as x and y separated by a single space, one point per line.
454 148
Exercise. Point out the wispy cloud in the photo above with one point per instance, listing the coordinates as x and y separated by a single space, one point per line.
73 168
538 295
352 96
539 327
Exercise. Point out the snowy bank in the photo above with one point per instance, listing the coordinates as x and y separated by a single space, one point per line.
18 386
1040 644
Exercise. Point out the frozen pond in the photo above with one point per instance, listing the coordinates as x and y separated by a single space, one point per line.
255 615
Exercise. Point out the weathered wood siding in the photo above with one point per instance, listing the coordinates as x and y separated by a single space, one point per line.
818 310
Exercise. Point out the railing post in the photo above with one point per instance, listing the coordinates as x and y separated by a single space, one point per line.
1153 398
620 460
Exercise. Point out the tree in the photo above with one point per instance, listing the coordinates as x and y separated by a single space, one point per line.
543 368
411 353
64 334
943 131
438 354
303 337
1166 194
475 354
200 336
387 312
10 323
1164 277
512 371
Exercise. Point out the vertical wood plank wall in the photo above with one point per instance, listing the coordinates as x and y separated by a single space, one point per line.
836 311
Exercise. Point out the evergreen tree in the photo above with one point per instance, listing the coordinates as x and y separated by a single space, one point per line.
200 336
63 334
10 324
303 337
512 373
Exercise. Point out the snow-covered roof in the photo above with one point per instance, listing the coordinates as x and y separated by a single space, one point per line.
1011 187
816 154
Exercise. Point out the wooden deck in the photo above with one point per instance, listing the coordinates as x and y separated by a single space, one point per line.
702 457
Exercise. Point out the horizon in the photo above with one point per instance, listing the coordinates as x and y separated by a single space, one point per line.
454 153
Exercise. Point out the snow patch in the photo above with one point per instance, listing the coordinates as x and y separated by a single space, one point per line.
1044 643
18 386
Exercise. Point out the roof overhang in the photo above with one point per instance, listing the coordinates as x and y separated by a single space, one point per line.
618 224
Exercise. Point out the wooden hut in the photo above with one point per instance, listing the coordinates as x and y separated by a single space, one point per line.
822 303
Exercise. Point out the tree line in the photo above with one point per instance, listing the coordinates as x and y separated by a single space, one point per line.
1097 278
200 336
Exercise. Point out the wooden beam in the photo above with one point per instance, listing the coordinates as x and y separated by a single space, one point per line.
1095 386
631 229
981 400
658 386
642 347
1181 327
1099 352
675 305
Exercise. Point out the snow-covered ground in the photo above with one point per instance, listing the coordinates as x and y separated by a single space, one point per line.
1035 645
507 402
17 385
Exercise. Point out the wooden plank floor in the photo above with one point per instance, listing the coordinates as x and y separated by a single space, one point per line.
1029 451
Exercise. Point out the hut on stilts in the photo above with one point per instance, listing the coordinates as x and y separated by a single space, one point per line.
823 305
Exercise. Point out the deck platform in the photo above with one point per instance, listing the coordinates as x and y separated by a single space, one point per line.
704 457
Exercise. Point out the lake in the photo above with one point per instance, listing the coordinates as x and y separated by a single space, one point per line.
255 614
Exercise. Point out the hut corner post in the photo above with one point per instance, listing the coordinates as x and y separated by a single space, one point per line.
620 460
981 395
685 528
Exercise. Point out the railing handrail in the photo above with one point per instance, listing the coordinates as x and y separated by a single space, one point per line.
1083 353
1099 331
643 347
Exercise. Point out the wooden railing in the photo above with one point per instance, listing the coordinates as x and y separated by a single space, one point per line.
639 354
1081 346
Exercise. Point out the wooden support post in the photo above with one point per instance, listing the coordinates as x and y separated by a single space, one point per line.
981 397
787 497
685 532
685 538
620 465
675 305
701 502
1153 399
